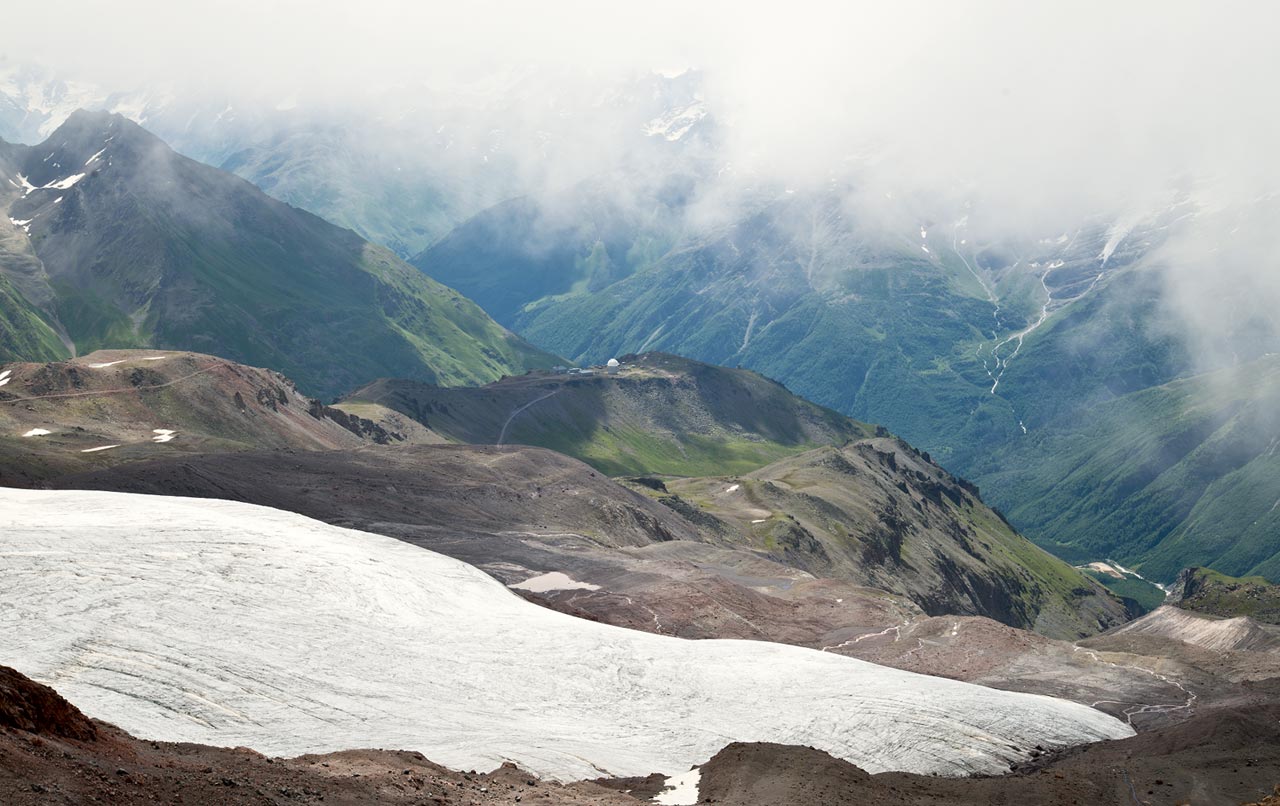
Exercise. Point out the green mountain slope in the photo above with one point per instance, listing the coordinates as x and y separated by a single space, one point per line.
757 467
1180 474
887 325
143 247
23 331
658 414
580 241
1020 365
881 514
378 188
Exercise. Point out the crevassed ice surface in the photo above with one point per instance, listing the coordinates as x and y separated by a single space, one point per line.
230 624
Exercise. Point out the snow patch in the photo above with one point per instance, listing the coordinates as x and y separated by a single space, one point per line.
95 156
163 435
732 488
106 364
1114 237
760 520
553 581
99 448
682 790
37 432
63 184
4 377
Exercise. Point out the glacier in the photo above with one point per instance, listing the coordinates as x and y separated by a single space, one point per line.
230 624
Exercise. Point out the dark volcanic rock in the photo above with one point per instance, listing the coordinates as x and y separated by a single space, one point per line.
26 705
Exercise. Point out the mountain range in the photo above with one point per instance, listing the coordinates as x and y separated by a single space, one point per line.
864 549
1037 334
123 243
1032 367
406 166
651 472
866 510
998 390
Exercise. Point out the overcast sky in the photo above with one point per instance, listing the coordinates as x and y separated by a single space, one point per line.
1041 104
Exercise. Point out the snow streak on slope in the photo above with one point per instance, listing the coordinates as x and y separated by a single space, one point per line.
230 624
1214 634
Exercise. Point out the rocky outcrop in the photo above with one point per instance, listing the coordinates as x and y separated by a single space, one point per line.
1206 591
28 706
360 426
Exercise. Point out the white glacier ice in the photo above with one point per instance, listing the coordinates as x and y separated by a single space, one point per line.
231 624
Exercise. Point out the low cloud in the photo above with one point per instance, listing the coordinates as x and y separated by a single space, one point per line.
1027 117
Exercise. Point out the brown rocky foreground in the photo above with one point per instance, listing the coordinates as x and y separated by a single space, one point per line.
51 753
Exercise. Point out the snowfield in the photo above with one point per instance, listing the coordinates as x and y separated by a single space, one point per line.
230 624
553 581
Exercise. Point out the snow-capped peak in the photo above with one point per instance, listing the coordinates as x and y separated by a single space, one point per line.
677 122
